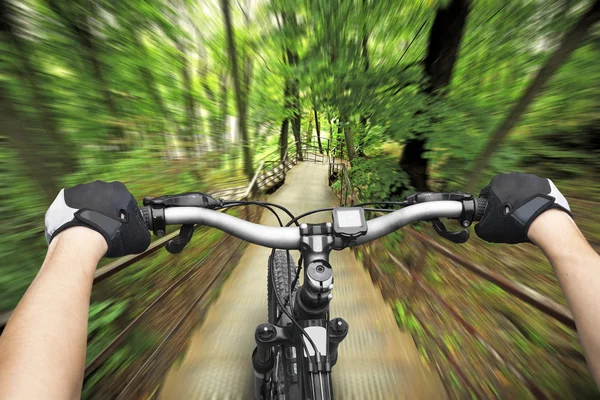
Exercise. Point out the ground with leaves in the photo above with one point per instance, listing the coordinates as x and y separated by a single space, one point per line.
540 348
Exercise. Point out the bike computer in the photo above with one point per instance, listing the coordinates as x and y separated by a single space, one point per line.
349 221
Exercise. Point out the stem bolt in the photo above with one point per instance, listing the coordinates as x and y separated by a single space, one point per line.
265 332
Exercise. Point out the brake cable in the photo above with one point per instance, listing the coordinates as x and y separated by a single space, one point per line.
231 205
262 204
295 220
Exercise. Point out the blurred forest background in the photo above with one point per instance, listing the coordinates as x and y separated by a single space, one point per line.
185 95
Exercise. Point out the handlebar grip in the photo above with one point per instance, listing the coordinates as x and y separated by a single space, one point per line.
146 215
480 206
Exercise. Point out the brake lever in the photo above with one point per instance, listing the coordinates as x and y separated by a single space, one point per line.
455 237
175 246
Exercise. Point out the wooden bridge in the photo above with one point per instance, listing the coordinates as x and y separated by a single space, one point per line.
376 361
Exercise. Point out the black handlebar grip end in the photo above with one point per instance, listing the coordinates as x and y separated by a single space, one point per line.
146 214
480 206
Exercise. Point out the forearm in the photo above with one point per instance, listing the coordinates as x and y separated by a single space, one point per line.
42 349
577 267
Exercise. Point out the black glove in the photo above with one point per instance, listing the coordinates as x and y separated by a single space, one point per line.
107 208
514 201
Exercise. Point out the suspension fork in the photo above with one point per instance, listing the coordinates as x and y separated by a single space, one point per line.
267 336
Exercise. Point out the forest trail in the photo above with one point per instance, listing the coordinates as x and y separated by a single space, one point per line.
377 360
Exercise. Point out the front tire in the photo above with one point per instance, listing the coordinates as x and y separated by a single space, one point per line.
280 279
278 276
283 385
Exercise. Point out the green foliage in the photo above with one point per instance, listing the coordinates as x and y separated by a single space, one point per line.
101 326
378 178
400 314
141 92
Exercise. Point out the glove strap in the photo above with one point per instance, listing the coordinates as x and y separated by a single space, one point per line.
534 207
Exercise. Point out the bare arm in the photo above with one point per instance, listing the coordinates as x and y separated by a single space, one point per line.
42 349
577 267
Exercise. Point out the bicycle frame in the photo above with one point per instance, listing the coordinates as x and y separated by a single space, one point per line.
311 311
310 328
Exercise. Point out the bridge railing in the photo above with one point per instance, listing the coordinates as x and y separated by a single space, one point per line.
348 195
339 177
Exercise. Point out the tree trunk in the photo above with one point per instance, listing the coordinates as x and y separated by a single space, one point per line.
309 132
360 151
39 99
415 164
365 51
349 140
33 158
296 119
246 90
222 116
283 138
444 43
330 126
292 59
570 43
288 104
240 97
363 118
318 127
82 34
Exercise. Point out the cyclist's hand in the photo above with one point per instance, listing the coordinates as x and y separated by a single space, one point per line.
514 201
107 208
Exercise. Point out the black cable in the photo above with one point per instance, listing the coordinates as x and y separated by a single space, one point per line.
331 208
262 203
238 204
289 275
231 205
379 210
387 203
298 271
309 213
271 264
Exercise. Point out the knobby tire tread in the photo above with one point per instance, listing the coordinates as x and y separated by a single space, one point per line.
280 278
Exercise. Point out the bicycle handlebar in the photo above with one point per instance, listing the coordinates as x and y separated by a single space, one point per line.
381 226
268 236
289 237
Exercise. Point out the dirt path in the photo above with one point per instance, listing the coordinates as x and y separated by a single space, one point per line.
376 361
